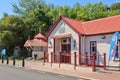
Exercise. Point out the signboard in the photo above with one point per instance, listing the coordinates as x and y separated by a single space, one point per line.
62 30
3 52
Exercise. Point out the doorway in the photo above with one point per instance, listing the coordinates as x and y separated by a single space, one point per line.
66 49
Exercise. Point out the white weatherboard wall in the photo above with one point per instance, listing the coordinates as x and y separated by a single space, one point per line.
68 30
103 45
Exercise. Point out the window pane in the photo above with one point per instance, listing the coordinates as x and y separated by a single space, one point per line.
93 47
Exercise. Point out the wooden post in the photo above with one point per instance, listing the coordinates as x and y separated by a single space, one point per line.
47 56
44 59
98 56
64 57
80 59
75 60
104 61
59 59
23 62
2 59
86 59
93 62
7 60
54 59
14 61
51 58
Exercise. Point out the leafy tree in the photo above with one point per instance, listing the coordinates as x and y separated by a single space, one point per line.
92 11
13 32
115 6
28 9
114 9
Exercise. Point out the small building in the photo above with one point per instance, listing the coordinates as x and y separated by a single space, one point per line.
37 46
69 35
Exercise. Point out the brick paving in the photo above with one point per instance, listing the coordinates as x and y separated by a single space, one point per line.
98 75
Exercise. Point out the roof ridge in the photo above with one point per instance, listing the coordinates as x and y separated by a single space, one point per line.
105 18
71 18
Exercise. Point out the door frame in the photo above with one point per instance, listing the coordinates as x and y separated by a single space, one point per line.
64 57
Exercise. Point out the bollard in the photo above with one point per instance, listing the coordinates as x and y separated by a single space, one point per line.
104 61
93 62
86 59
14 61
59 59
2 59
7 60
23 62
75 64
44 59
51 58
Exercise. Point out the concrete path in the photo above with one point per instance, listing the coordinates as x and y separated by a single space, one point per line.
99 75
12 73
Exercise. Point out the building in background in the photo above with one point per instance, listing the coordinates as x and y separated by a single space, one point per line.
37 46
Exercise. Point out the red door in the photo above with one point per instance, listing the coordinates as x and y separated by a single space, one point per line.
66 57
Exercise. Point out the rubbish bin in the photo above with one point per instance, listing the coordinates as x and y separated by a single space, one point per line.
35 56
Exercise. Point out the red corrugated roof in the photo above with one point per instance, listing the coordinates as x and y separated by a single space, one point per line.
39 40
35 42
38 36
99 26
27 43
104 25
75 24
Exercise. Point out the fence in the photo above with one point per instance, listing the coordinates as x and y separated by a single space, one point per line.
92 60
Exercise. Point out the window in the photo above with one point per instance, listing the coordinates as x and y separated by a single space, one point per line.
75 44
66 45
66 41
93 47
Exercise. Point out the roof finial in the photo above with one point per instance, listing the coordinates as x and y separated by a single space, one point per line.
40 31
28 37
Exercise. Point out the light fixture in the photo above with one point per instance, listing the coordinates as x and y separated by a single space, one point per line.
102 36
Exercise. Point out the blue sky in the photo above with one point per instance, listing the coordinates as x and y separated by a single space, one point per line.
5 5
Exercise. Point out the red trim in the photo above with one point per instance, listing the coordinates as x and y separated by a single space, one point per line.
79 49
101 33
47 47
54 45
75 60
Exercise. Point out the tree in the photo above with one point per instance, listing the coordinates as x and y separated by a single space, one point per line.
114 9
13 32
92 11
29 10
115 6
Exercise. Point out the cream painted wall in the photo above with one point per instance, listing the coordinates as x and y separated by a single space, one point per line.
68 30
57 45
103 45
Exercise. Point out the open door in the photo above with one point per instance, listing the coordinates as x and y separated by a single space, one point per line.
66 49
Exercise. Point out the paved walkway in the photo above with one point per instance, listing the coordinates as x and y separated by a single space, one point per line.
99 75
